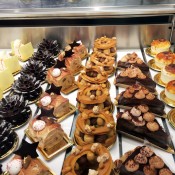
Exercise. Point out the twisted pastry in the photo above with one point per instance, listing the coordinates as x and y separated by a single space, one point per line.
95 126
91 159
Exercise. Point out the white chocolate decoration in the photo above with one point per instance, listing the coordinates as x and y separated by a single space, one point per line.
39 125
56 72
45 101
92 172
14 166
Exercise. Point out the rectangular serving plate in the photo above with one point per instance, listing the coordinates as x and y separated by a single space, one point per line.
50 156
169 150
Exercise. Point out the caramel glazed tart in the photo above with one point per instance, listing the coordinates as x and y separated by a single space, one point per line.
91 159
95 126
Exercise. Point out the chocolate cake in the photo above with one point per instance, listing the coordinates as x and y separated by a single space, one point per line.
14 110
136 95
140 123
28 86
141 161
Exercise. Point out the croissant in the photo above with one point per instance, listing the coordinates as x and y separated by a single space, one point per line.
95 126
91 159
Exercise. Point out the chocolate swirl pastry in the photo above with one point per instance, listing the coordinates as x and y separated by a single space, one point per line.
28 86
7 137
36 69
46 58
49 46
14 110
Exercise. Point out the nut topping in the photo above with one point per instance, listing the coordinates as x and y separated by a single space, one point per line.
146 151
140 158
131 166
149 117
150 96
152 126
156 162
140 95
126 116
94 147
143 108
135 112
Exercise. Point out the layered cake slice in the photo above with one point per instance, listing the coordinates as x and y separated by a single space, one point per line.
142 124
132 59
136 95
132 75
141 161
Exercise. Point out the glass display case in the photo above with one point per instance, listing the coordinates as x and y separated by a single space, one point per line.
135 24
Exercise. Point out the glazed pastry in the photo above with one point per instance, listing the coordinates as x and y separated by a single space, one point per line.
26 161
52 104
14 110
7 137
168 73
27 86
51 47
6 77
160 45
91 159
100 59
47 132
95 126
131 75
140 123
47 59
23 51
164 58
105 45
132 59
136 95
10 62
35 68
92 75
170 90
94 95
141 160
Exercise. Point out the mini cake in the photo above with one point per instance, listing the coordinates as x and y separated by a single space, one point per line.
10 62
160 45
7 137
95 126
72 61
6 77
26 161
94 95
164 58
100 59
92 75
105 45
28 86
35 68
14 110
132 59
141 160
131 75
47 132
51 47
140 123
23 51
52 103
168 73
170 90
136 95
91 159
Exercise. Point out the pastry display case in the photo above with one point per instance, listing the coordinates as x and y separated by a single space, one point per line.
130 27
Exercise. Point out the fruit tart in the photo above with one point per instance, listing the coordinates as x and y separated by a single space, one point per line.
140 123
94 95
143 161
95 126
28 86
132 59
136 95
52 103
91 159
26 161
14 109
105 45
100 59
131 75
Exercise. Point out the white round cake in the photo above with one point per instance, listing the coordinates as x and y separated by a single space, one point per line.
168 73
170 90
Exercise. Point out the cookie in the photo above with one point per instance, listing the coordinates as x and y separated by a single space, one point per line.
131 166
149 171
156 162
148 116
165 171
152 126
140 158
146 151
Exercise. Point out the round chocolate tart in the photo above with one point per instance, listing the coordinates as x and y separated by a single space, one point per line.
14 110
28 86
